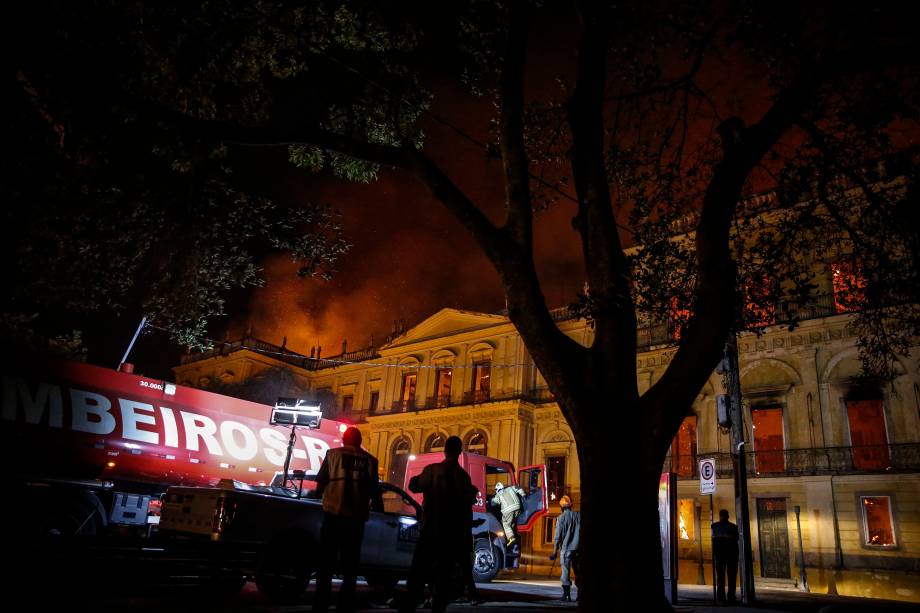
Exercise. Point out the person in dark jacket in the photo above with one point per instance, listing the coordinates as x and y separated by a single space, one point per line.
348 484
565 541
509 501
725 555
445 538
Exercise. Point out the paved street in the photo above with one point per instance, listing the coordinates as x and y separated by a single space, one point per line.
503 595
100 583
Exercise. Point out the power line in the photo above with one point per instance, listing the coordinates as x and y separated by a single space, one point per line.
341 362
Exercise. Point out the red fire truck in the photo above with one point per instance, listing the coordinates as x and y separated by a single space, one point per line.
92 449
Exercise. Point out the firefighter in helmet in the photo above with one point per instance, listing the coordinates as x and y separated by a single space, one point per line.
509 501
565 541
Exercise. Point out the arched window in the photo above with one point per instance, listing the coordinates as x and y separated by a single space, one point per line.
435 443
399 457
476 442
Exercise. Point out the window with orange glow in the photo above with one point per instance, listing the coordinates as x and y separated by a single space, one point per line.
868 437
482 375
878 527
347 403
407 395
686 519
678 315
683 448
443 379
768 439
760 302
849 284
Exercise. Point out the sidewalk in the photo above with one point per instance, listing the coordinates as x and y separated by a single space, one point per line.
541 594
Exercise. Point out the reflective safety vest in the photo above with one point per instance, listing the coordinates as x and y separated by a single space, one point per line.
508 499
347 481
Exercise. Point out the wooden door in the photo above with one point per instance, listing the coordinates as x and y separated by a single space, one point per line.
774 537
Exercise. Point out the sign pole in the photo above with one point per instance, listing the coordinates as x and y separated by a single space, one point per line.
712 554
698 520
708 486
742 513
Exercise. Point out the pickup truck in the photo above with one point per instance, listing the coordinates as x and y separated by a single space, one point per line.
271 533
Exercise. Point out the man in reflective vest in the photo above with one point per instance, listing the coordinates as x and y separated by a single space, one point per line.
508 499
347 481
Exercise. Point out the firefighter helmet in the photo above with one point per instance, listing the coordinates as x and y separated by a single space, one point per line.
565 501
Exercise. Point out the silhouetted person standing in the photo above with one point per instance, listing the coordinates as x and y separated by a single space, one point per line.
565 541
445 538
725 555
347 481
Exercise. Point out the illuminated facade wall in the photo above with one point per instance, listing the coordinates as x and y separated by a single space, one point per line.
821 445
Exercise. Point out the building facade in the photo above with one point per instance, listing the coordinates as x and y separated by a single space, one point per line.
833 458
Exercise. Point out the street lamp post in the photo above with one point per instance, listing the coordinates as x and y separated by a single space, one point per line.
742 513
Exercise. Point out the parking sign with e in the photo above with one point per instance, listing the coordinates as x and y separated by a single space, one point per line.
707 476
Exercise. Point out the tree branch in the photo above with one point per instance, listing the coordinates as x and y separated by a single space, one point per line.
682 81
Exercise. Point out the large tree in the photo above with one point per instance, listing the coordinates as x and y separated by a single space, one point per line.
665 118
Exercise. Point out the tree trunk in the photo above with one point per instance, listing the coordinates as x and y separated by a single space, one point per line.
620 550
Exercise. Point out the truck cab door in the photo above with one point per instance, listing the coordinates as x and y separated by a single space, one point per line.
532 479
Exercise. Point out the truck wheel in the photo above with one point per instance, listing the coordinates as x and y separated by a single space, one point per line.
486 561
283 576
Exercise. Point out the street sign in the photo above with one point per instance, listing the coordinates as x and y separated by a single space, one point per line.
707 476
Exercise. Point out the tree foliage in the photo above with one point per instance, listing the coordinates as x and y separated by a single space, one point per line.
113 207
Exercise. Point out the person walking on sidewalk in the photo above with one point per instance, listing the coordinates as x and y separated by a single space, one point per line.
565 541
347 482
725 555
508 500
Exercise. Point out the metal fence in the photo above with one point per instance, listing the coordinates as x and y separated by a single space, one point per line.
904 457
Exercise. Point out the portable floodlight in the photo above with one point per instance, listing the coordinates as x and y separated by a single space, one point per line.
296 412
